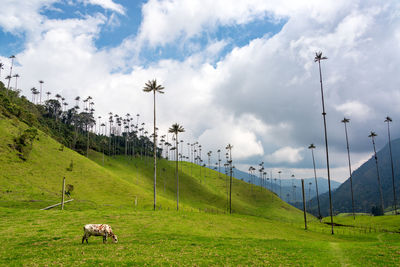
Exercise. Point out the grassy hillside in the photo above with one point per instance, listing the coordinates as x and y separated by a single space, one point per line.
36 182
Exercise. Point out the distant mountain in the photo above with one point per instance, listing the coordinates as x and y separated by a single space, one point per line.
365 185
286 191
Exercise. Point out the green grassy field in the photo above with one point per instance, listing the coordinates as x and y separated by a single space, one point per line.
42 238
263 230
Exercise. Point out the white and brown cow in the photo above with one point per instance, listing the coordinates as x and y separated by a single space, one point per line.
103 230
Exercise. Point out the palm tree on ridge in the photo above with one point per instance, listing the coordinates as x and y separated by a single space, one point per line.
152 86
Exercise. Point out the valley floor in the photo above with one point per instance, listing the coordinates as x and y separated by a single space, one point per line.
48 238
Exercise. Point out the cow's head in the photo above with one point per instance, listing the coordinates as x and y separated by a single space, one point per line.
114 238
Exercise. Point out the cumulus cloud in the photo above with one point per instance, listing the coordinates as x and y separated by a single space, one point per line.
355 109
17 17
285 154
241 132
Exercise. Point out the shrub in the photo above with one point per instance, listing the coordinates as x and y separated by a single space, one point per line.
23 143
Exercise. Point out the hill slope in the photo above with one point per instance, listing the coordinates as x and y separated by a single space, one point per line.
365 185
36 182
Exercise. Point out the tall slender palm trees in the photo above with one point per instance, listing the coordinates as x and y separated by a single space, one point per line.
373 135
152 86
176 129
345 121
318 58
389 120
312 147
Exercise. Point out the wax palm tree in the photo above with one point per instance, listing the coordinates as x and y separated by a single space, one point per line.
229 148
33 90
58 96
48 95
41 85
110 121
251 178
318 58
345 121
372 135
176 129
209 158
77 100
16 76
312 147
389 120
12 64
152 86
293 188
36 92
280 184
8 77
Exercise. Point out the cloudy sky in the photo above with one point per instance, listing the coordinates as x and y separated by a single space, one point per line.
239 72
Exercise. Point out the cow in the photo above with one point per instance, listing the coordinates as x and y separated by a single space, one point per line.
103 230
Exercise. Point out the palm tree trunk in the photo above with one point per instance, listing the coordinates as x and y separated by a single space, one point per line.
177 175
391 162
326 148
316 186
379 179
109 143
230 180
87 147
154 150
12 63
351 179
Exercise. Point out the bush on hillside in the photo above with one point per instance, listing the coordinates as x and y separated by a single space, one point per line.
23 143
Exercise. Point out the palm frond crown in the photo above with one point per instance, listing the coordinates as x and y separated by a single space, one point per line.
319 57
176 128
151 86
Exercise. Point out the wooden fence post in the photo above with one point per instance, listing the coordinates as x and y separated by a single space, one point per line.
63 192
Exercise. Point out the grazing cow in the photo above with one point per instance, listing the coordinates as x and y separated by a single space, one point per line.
103 230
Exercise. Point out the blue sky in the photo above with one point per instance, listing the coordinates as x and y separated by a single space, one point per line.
239 72
127 25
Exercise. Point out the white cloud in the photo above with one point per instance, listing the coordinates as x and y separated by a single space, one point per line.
355 109
22 16
285 154
106 4
166 21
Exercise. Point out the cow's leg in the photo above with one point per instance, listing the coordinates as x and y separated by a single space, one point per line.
85 236
105 238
